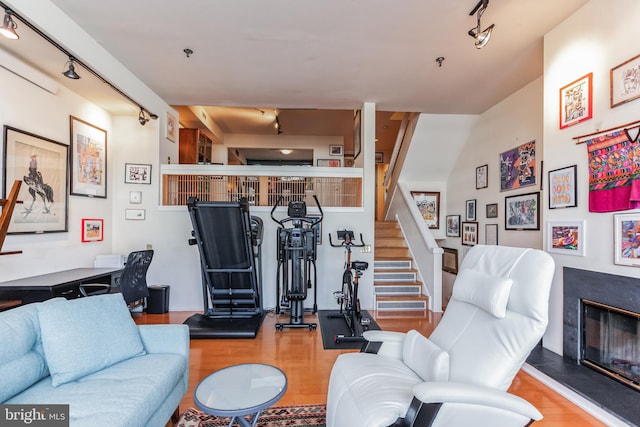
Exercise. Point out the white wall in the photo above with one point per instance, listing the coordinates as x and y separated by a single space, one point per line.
593 40
319 144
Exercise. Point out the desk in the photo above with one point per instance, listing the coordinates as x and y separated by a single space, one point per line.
59 284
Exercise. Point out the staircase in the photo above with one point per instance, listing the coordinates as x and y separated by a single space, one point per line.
397 291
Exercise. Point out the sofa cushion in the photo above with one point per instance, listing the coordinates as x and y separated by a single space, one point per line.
425 358
21 359
490 293
85 335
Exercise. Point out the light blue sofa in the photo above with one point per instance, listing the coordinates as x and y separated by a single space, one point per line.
88 353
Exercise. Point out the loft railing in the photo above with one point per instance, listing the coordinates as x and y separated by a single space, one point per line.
261 185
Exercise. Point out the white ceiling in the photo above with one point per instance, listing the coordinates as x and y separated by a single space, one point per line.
322 55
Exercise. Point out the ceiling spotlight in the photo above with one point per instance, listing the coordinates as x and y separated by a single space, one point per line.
142 117
481 36
70 72
277 126
9 26
286 151
440 60
188 52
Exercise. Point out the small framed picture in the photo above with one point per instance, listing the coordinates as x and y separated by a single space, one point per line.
453 225
562 188
492 210
171 129
469 233
624 82
491 234
470 212
626 233
522 212
428 203
566 237
134 214
576 101
137 173
379 157
336 150
331 163
481 177
135 197
92 230
450 260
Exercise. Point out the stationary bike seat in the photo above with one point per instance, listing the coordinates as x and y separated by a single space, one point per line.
359 265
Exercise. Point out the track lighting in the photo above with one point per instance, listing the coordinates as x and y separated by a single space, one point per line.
70 72
277 126
9 26
481 36
142 117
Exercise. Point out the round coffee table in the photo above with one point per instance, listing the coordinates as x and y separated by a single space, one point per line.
240 390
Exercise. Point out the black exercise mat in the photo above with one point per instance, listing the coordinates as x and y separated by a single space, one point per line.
201 326
332 324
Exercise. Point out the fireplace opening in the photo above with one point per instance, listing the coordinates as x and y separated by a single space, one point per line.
610 342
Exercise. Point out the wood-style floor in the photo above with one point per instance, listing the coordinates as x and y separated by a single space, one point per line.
299 353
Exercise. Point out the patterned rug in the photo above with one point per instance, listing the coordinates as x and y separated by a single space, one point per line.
278 416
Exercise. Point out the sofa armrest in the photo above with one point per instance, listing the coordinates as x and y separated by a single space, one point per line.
482 400
165 339
390 342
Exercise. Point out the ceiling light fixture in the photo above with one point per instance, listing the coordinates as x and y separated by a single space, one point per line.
142 117
286 151
70 72
9 26
481 36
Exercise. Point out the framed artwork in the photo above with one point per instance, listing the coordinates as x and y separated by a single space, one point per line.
135 197
331 163
317 228
42 166
522 212
88 159
137 173
428 203
92 230
453 225
470 233
336 150
491 234
626 234
481 177
562 188
379 157
518 167
625 82
134 214
171 129
576 101
450 260
470 210
492 210
566 237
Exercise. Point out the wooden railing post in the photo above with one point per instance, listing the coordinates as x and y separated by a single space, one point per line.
7 210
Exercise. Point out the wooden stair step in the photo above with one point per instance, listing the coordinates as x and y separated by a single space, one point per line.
401 303
388 232
392 252
390 242
386 224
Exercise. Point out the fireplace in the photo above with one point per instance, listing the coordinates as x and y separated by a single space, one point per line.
610 342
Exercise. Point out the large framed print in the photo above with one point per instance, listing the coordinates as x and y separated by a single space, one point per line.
576 101
88 159
453 225
518 167
42 166
625 82
626 234
522 212
428 203
566 237
562 188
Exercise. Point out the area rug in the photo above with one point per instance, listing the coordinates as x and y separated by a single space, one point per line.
332 324
277 416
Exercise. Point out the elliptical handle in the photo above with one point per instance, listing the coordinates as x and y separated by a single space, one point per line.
274 209
321 213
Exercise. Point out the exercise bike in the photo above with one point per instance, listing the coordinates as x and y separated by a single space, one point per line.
347 297
297 251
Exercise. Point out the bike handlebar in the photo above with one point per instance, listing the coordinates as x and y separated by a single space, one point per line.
348 243
313 221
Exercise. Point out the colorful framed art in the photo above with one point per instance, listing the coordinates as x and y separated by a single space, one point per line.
428 203
92 230
562 188
522 212
518 167
453 225
566 237
626 234
576 101
88 159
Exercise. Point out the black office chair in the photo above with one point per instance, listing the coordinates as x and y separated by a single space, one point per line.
132 283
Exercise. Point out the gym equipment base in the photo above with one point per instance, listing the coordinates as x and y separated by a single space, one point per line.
201 326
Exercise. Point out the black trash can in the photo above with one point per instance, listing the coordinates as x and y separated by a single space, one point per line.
158 300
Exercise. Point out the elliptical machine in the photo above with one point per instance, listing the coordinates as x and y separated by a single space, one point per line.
297 251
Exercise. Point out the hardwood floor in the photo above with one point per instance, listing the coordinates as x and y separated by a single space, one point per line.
299 353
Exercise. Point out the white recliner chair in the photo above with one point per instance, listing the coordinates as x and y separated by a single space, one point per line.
459 375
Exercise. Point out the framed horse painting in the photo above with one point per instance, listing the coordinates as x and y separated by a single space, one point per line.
41 164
